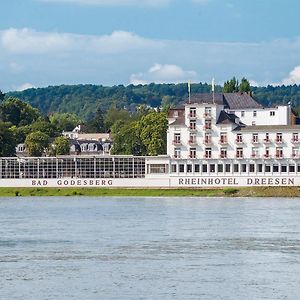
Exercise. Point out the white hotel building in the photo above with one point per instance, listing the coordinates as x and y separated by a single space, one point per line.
232 134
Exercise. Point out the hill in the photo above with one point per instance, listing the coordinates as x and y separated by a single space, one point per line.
83 100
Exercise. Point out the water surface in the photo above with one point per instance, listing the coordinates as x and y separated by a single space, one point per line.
149 248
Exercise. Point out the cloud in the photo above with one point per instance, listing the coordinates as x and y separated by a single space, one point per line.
24 86
163 74
153 3
293 77
29 41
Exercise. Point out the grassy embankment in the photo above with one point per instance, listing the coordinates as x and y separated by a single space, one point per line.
233 192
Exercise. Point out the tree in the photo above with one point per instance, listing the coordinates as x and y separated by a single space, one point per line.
17 112
231 86
244 86
60 146
36 143
65 121
97 123
44 126
7 140
113 115
153 132
2 95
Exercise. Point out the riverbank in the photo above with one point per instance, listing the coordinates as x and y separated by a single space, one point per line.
233 192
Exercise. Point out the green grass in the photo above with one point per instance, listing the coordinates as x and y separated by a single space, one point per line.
226 192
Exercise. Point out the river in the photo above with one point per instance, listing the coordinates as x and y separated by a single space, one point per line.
149 248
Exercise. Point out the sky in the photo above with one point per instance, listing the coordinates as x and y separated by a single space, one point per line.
111 42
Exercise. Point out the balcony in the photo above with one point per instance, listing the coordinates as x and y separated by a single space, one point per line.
278 141
223 156
295 155
254 156
239 141
207 156
239 156
207 142
267 141
267 156
207 127
192 116
279 156
176 156
255 142
207 115
223 142
192 156
192 128
176 142
192 142
295 141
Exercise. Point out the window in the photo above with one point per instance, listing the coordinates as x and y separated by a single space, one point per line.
181 168
207 124
227 168
177 152
223 153
239 152
244 168
275 168
192 138
267 138
173 168
207 153
279 152
212 168
189 168
259 168
204 168
255 138
207 138
207 111
220 168
295 152
298 168
278 137
267 152
192 112
254 113
251 168
177 139
197 168
253 123
193 125
192 152
295 138
236 168
239 138
272 113
158 169
283 169
223 138
267 168
255 153
292 168
242 113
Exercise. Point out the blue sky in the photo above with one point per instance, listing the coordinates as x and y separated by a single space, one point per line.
49 42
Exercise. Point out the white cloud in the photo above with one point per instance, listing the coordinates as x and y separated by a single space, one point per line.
163 74
153 3
29 41
253 82
24 86
293 78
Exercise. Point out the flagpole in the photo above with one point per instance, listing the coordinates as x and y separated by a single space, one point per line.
189 91
213 89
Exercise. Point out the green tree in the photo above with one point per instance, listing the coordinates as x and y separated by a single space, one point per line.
96 124
113 115
60 146
36 143
17 112
153 132
231 86
44 126
65 121
7 140
2 95
244 86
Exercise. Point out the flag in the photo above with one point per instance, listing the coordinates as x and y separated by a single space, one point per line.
189 87
213 85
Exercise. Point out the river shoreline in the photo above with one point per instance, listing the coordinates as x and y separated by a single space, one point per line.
216 192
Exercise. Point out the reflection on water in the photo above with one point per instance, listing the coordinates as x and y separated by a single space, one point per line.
147 248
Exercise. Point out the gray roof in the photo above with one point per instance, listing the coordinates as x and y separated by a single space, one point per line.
225 118
178 121
268 128
229 100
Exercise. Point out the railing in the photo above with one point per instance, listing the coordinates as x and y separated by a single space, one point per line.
192 156
176 142
295 155
207 142
192 116
207 156
295 141
192 142
207 127
239 156
278 141
267 141
254 155
255 141
176 156
223 142
207 115
267 156
222 156
279 156
192 128
239 141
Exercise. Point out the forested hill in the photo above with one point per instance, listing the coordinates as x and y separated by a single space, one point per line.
83 100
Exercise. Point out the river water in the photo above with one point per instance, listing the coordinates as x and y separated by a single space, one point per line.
149 248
